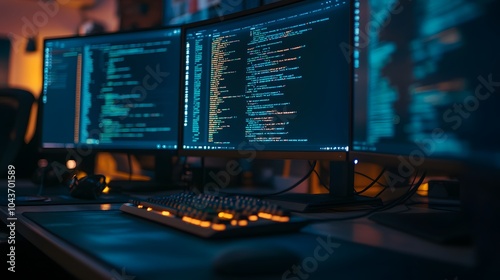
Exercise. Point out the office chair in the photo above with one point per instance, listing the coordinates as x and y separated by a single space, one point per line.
15 110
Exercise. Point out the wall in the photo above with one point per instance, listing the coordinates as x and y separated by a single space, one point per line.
20 19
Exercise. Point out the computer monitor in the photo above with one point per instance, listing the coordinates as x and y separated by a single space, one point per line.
425 92
188 11
426 99
268 81
271 83
113 92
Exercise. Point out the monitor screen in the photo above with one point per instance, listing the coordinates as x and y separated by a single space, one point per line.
426 77
116 91
188 11
274 81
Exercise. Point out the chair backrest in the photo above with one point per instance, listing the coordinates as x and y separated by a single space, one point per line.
4 60
15 110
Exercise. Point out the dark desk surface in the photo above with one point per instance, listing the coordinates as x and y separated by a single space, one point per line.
97 241
100 242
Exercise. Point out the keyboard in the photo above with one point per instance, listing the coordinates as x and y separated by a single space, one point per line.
212 216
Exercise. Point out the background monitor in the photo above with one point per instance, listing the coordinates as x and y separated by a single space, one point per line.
111 92
426 82
426 98
188 11
272 83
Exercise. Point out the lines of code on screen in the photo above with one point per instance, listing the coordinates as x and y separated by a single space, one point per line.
271 79
117 91
420 74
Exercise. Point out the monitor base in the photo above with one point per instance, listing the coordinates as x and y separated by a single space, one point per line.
32 198
301 202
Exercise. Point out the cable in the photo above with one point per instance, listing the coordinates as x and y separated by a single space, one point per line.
383 190
374 181
319 178
411 191
371 179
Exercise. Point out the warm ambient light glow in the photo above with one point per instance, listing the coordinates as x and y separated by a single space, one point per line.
71 164
107 164
423 190
105 190
165 213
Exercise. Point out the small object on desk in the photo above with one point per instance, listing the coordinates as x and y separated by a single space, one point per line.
211 216
88 187
254 260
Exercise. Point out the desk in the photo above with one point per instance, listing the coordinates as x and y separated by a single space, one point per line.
97 241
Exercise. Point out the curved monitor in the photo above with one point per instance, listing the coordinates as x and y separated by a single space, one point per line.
274 82
426 88
112 92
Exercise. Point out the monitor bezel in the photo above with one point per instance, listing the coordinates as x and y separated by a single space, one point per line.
89 149
256 152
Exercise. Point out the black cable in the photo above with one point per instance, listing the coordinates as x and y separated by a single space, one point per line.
413 189
383 190
296 183
374 181
370 178
387 186
319 178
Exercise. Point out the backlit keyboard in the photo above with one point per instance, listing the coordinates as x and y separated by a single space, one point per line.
211 216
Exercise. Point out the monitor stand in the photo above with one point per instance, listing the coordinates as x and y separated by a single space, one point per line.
341 193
